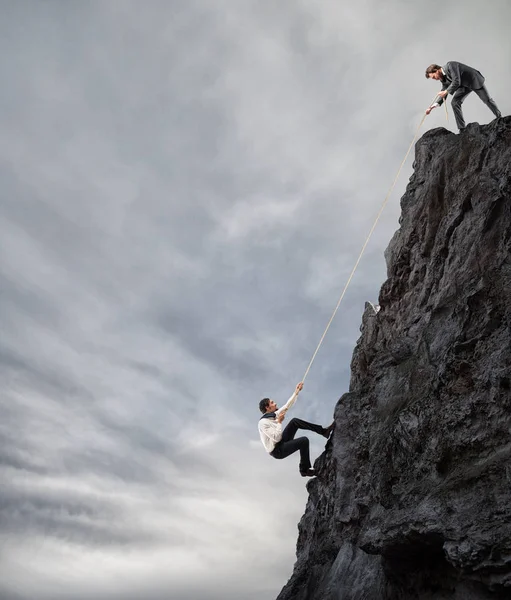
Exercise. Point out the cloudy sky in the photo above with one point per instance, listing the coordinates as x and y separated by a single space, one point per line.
184 188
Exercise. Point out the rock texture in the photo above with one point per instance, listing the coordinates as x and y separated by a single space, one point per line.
413 497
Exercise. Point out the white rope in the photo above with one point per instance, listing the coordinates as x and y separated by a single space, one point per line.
364 246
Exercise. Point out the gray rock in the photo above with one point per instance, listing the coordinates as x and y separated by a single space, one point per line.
413 494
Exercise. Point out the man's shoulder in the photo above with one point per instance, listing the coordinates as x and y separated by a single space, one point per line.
453 63
459 65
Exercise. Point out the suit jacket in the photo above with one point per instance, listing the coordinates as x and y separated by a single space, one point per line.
459 75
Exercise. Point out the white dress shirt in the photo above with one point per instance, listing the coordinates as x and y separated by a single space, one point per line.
270 430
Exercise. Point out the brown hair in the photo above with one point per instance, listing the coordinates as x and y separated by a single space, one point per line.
263 405
432 69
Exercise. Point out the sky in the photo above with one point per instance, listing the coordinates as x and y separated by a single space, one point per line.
185 187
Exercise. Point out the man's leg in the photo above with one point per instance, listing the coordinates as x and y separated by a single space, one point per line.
284 449
295 424
457 100
490 103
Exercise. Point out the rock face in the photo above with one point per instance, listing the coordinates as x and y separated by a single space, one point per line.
413 496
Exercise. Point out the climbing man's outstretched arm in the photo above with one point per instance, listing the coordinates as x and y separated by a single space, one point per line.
291 400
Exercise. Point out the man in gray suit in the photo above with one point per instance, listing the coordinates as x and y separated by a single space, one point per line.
459 80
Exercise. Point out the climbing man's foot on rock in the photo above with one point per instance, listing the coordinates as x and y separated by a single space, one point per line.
328 430
308 473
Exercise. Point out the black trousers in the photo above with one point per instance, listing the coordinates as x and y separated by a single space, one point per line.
288 445
459 97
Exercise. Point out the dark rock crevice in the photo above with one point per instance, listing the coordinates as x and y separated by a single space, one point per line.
413 494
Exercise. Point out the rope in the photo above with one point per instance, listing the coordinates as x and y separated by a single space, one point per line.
364 246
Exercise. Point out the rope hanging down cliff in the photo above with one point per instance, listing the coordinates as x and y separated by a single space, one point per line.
366 242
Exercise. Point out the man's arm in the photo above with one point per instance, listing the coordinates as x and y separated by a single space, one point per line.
438 101
455 73
291 400
440 98
271 430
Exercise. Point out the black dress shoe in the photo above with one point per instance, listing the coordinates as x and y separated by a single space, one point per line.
308 473
328 430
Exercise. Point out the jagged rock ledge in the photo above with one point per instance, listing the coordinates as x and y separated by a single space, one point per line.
413 497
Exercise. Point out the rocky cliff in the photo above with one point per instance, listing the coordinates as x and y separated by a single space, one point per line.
413 496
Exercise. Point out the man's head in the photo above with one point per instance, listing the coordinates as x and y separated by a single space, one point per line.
434 72
267 405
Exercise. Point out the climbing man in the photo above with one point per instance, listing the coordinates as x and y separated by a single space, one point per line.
459 80
281 444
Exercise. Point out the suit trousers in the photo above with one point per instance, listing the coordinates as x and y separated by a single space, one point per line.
289 445
459 97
